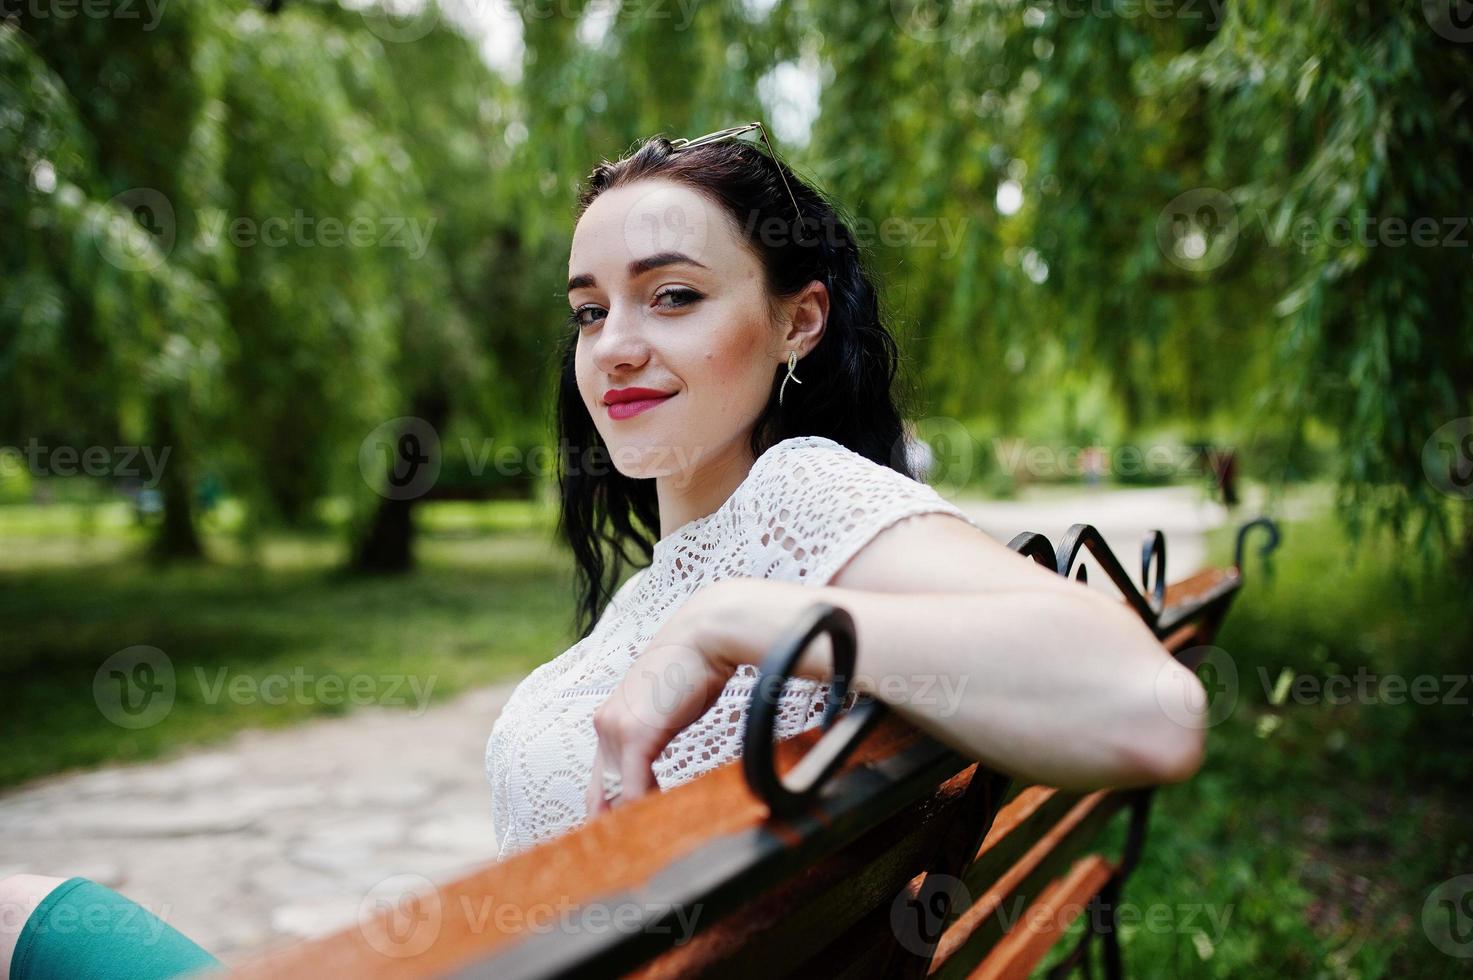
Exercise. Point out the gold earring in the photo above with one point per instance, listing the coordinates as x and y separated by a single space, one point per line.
792 363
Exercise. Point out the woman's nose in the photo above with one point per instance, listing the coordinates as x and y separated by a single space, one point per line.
621 343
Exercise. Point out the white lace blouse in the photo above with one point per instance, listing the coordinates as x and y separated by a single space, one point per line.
807 506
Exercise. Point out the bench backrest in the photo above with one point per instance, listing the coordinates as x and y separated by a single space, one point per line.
906 859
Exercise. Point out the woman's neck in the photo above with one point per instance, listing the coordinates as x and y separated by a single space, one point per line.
701 488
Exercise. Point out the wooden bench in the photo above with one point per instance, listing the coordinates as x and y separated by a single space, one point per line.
878 851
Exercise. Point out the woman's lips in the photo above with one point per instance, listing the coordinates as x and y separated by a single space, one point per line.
624 410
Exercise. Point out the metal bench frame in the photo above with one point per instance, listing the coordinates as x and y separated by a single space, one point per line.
840 852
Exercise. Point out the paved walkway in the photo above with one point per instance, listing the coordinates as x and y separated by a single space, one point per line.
277 835
274 835
1123 517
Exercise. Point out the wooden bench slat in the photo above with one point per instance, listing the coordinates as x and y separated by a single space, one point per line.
814 891
771 935
1020 950
1016 871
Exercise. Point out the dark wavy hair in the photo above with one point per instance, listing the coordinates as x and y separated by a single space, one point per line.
852 389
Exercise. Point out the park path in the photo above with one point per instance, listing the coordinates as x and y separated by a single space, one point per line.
276 835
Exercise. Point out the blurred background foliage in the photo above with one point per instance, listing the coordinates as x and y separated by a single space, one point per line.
1103 225
1095 223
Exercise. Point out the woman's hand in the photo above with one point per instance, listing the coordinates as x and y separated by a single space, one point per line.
683 670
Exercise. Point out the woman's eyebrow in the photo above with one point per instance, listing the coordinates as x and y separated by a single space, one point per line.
639 267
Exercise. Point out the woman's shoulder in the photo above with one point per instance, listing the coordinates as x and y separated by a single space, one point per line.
815 502
822 467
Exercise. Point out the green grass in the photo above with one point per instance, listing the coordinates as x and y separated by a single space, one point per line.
483 606
1316 831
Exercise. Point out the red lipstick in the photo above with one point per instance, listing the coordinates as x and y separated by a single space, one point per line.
625 403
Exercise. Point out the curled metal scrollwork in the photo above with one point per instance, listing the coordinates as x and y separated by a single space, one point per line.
789 794
1265 549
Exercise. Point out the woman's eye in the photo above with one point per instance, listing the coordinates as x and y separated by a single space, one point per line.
681 295
576 319
678 296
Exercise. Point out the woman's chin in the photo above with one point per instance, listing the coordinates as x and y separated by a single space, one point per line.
644 459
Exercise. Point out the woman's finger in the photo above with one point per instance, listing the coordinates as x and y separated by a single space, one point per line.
635 772
598 788
594 795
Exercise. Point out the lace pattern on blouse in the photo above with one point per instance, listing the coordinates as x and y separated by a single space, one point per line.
806 507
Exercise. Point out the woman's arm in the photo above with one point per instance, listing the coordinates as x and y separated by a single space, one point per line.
1035 675
1062 688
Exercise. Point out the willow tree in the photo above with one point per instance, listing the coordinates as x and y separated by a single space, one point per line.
102 339
1218 216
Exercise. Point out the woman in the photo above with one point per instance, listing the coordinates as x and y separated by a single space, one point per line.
702 277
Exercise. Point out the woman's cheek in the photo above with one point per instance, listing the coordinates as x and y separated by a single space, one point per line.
733 360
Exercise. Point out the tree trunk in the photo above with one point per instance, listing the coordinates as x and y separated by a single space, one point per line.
177 536
388 543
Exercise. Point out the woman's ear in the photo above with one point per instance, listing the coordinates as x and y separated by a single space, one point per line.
810 315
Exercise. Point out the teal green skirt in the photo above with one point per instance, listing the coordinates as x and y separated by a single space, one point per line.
83 929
